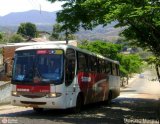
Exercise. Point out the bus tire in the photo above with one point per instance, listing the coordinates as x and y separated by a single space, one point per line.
109 98
79 104
38 110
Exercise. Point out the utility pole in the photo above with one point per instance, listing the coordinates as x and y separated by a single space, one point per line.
40 8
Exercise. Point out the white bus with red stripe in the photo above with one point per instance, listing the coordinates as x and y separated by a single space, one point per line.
61 77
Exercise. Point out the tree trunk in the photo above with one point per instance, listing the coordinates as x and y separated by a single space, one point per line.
122 81
127 79
157 70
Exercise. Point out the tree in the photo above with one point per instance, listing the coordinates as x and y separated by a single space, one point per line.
59 34
1 36
156 61
141 19
109 50
27 30
129 64
56 31
4 37
16 38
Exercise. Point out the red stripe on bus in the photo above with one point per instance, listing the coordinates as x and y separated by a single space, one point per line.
29 88
87 80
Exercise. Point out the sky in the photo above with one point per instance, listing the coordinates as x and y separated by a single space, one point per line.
9 6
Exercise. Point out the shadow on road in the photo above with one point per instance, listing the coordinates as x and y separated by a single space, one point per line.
122 110
128 91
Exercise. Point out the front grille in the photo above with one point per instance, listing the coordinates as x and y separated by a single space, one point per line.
33 103
32 95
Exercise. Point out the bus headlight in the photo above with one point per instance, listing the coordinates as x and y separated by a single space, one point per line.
15 93
54 95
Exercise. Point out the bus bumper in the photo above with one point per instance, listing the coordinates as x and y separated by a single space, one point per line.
55 103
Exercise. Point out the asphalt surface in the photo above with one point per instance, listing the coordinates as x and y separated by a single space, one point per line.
139 102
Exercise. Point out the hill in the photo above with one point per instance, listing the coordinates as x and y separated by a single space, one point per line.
45 21
108 33
33 16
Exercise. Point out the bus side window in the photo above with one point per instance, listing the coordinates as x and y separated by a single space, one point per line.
82 62
98 65
89 63
108 69
101 62
117 68
93 64
114 71
103 66
70 66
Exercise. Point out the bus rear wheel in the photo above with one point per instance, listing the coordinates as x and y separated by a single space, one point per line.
108 102
38 110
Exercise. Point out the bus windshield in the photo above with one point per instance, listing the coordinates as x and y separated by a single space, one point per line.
38 66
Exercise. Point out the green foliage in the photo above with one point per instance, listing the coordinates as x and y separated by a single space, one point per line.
13 38
4 38
1 36
56 31
109 50
153 60
59 34
27 30
129 64
141 19
16 38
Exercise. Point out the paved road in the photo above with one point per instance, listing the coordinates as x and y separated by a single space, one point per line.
138 103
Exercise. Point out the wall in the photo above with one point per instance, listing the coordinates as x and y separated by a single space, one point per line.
5 94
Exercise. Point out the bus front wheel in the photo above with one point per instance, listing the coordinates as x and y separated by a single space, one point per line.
38 110
79 104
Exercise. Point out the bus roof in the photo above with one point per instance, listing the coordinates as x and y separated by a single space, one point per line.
38 43
64 47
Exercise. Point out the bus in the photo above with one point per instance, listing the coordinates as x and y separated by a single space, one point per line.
61 77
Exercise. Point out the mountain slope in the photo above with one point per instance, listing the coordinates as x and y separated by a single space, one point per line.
33 16
45 21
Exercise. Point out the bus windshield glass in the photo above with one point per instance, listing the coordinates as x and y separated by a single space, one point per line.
38 66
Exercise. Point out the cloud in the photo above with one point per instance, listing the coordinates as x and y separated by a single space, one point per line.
8 6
